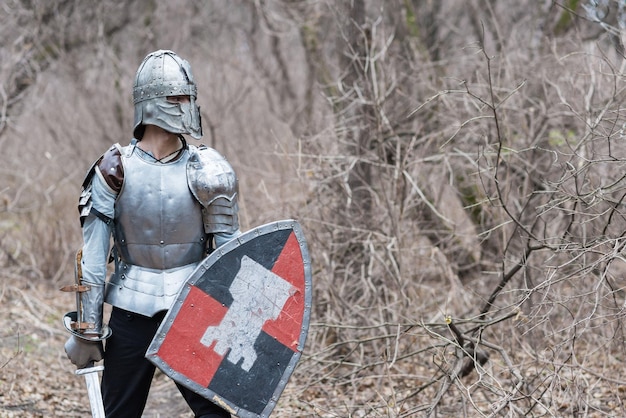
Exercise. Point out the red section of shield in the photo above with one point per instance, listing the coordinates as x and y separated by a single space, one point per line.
287 327
182 349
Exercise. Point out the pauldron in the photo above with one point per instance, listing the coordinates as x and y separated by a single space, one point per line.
213 183
112 171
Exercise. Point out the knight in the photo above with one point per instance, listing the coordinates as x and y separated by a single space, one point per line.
165 204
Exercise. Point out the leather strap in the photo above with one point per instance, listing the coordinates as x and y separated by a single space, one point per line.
75 288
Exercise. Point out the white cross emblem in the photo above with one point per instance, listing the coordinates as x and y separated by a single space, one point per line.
259 296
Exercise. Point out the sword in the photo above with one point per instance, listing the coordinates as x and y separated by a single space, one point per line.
93 389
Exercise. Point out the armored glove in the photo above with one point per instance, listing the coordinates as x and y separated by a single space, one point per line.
82 352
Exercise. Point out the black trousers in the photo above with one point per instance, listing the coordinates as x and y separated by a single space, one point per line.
128 374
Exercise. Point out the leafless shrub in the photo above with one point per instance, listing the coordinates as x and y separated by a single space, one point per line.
534 161
458 171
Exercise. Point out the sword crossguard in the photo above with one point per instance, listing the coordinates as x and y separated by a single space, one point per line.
89 369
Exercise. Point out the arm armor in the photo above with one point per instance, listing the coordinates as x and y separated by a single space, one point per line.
213 183
90 290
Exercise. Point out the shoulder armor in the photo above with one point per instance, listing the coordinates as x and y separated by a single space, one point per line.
105 163
210 176
110 165
213 183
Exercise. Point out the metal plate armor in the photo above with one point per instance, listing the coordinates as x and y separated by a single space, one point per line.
145 291
213 182
157 254
170 231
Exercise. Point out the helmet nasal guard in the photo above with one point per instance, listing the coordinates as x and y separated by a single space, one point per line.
162 74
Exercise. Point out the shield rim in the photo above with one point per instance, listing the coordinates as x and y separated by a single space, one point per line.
198 272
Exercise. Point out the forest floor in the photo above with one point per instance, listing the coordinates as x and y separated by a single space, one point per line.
36 378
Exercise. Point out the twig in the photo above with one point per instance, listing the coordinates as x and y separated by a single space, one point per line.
17 352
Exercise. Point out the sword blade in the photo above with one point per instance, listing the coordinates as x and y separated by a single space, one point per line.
93 389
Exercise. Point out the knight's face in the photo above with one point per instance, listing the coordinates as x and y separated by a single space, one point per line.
178 99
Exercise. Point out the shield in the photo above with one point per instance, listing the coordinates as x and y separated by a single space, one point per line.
238 326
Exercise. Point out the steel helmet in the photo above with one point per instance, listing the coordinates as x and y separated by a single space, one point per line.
161 74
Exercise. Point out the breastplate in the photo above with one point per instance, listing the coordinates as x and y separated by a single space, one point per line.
158 222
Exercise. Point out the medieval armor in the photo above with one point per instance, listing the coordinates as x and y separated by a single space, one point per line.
83 349
214 184
85 323
155 256
160 193
161 232
160 75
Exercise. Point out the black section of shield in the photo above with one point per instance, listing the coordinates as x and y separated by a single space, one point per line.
244 388
265 250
